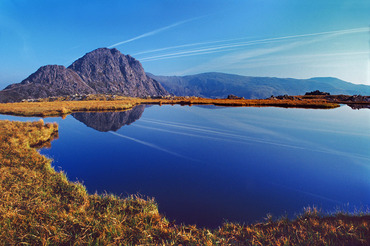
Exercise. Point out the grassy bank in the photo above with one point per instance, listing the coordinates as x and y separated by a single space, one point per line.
58 108
64 107
39 206
288 103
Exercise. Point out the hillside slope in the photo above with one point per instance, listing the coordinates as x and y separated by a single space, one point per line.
101 71
219 85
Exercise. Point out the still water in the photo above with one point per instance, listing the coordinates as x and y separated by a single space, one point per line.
207 165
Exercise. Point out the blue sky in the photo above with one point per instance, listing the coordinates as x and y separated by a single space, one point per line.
285 38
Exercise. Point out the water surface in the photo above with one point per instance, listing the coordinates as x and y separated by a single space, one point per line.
205 165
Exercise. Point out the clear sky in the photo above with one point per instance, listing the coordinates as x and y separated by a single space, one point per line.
276 38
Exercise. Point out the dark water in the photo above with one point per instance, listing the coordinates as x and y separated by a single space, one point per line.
206 165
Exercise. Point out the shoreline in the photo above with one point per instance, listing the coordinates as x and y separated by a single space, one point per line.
41 206
62 107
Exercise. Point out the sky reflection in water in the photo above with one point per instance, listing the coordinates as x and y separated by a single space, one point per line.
204 165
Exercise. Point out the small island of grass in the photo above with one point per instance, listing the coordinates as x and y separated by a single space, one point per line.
65 105
61 106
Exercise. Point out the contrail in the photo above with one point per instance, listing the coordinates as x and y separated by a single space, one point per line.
222 47
189 125
152 146
184 133
186 54
224 136
200 130
284 60
202 51
186 45
152 32
268 39
308 193
214 131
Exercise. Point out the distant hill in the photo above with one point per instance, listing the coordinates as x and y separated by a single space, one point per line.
219 85
100 71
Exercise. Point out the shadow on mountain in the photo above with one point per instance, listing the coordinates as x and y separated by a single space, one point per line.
109 121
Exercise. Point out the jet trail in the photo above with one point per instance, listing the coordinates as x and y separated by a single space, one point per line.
233 137
186 45
223 47
309 193
152 146
188 125
151 33
230 137
214 131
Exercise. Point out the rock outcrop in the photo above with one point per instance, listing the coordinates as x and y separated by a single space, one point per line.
231 96
317 93
108 71
102 71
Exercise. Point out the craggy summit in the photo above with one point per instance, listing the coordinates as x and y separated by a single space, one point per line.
101 71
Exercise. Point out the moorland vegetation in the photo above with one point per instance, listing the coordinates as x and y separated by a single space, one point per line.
59 106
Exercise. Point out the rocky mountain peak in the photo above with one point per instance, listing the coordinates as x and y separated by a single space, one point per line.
101 71
110 71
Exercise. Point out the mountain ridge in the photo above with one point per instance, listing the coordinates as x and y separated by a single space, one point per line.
219 85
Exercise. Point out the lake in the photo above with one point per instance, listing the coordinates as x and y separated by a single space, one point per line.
207 165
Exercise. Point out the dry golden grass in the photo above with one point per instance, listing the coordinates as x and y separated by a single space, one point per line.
297 103
58 108
96 103
39 206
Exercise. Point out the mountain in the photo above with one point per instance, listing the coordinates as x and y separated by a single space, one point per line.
50 80
219 85
100 71
109 71
109 121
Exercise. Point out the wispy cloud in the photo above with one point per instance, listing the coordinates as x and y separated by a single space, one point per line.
316 195
152 146
151 33
215 135
204 50
215 131
294 59
186 45
236 137
227 45
229 60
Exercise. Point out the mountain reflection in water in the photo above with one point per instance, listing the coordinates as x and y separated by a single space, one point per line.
110 121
